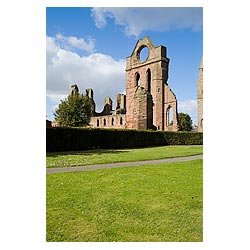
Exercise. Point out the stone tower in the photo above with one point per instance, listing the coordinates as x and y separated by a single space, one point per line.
74 89
200 98
107 106
90 94
148 97
120 104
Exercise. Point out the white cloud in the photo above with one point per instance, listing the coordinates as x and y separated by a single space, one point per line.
137 20
99 15
188 107
102 73
72 43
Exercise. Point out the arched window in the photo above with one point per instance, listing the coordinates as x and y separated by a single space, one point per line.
97 123
149 80
104 122
170 116
143 53
137 79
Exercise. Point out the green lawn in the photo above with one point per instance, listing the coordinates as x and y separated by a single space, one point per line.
89 157
160 202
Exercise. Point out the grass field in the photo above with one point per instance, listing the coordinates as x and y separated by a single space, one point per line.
132 204
82 158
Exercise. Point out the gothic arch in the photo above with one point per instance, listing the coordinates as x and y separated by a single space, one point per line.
137 79
169 116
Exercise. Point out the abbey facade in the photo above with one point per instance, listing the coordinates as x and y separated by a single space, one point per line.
200 98
149 103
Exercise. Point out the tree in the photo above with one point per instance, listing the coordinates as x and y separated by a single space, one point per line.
74 111
185 122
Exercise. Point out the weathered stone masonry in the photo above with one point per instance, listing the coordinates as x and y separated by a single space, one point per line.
200 98
149 102
109 118
152 76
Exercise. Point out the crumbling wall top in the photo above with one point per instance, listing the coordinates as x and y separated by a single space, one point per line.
154 53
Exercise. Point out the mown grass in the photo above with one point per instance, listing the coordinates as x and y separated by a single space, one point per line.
133 204
101 156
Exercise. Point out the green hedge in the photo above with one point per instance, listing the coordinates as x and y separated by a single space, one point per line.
76 139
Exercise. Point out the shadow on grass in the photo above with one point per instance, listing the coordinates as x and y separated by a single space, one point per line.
87 152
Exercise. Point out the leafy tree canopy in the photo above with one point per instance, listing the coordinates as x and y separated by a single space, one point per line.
185 122
74 111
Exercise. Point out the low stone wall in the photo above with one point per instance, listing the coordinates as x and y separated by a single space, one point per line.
108 121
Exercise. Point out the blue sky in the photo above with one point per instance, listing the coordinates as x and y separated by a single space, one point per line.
89 46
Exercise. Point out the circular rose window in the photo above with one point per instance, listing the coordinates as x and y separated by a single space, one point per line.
143 54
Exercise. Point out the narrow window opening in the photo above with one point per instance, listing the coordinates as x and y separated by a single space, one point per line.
137 79
170 116
149 80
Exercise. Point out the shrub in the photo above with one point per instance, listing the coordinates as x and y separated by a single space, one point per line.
74 139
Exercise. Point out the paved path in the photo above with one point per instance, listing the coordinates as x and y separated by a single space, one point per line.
121 164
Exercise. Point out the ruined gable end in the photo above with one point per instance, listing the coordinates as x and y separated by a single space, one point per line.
151 74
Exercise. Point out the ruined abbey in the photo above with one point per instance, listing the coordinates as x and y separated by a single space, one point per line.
149 103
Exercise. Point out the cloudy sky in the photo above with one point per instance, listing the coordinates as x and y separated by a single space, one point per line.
89 46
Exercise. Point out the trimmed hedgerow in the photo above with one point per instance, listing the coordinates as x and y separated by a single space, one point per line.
74 139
